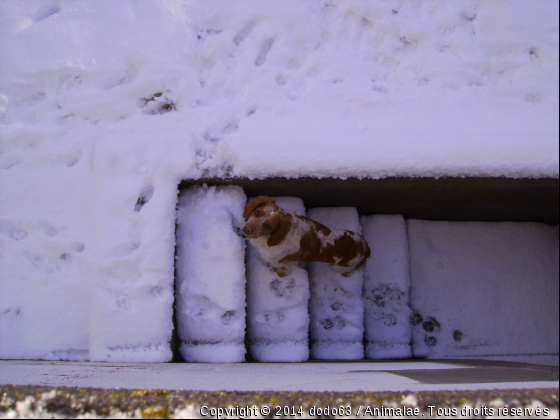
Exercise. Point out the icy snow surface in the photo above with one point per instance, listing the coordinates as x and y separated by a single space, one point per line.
106 105
277 314
484 289
211 275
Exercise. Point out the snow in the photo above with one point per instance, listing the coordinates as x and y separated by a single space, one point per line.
386 288
277 314
336 308
106 106
484 289
211 274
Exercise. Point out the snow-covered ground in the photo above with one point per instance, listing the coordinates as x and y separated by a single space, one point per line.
105 106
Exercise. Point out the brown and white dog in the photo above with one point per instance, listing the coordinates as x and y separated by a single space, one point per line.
283 238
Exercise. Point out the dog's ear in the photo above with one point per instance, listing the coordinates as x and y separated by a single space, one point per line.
282 229
260 201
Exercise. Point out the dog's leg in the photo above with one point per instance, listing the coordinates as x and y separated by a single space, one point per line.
360 267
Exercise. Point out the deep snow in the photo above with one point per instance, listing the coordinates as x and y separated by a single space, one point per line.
105 106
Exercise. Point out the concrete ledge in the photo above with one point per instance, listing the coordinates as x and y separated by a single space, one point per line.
38 389
385 376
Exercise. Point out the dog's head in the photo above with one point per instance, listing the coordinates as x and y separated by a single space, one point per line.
265 218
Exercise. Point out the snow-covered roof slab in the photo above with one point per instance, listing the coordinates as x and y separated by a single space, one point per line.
365 89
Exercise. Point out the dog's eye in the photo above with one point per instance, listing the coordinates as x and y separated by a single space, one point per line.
267 226
257 213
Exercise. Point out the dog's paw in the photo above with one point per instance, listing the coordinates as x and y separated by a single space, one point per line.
282 271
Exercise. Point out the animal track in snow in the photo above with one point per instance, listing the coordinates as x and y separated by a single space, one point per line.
242 34
209 169
215 135
382 295
158 103
415 319
430 341
203 33
228 317
271 317
283 287
124 249
336 322
39 263
198 306
156 291
408 43
457 335
78 246
533 53
144 197
46 12
365 22
468 17
122 300
7 162
431 325
384 302
48 228
15 311
533 98
121 275
263 52
71 159
10 230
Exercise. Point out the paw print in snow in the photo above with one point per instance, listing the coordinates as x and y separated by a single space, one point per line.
263 52
282 287
158 103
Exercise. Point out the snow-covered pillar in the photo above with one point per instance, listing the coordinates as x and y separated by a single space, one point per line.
211 275
278 319
130 263
386 288
336 308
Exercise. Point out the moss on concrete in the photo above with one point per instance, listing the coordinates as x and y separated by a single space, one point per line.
73 402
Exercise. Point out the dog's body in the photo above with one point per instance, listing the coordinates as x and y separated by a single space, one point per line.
283 238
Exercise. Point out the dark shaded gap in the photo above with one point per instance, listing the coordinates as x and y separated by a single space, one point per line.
453 199
248 356
175 342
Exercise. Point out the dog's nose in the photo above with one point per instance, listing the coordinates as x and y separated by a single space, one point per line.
246 230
